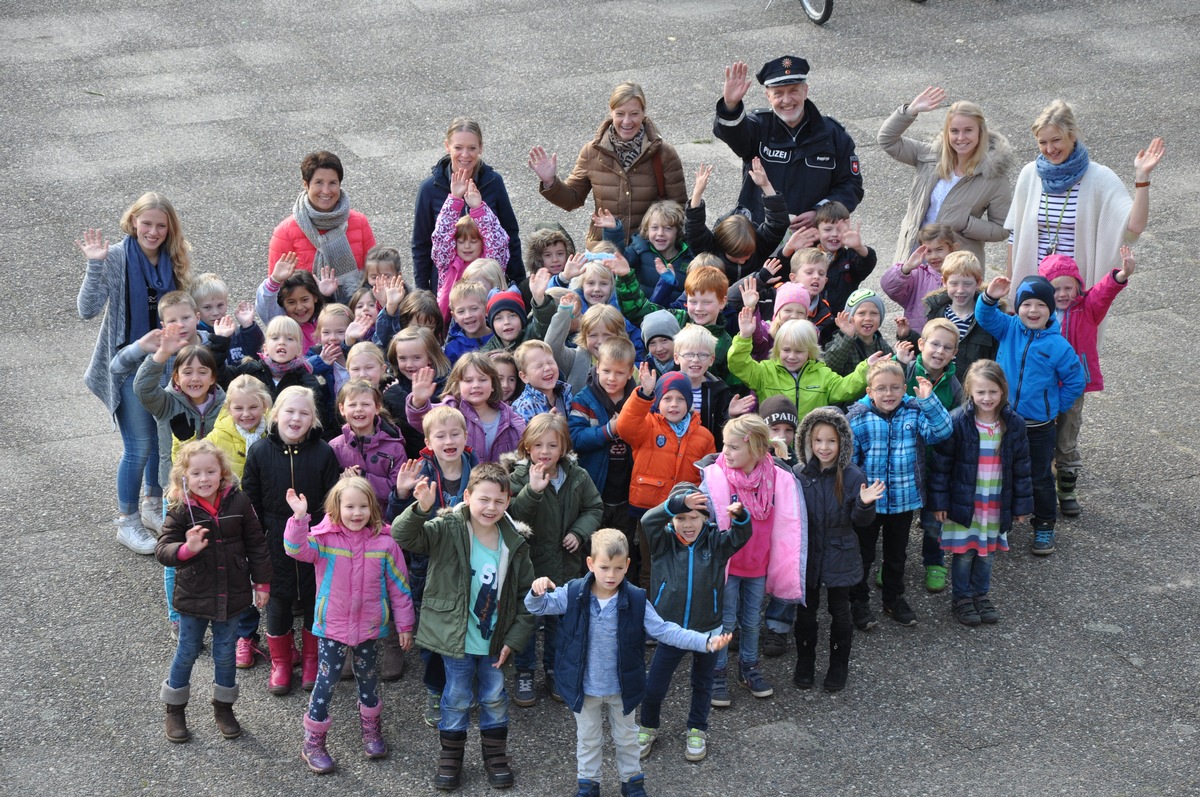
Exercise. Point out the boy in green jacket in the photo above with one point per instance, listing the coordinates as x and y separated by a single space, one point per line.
473 612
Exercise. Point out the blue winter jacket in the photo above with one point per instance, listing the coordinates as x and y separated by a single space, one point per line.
591 432
891 448
1044 374
641 255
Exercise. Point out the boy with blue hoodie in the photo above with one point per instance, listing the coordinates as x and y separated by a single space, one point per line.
601 639
1045 378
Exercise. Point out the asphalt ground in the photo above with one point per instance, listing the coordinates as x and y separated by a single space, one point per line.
1087 687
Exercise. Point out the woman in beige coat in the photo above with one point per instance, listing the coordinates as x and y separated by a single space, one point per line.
627 167
962 175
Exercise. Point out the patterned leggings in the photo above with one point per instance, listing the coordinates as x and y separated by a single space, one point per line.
331 657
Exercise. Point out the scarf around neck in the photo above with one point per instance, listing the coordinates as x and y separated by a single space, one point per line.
755 491
141 276
680 427
627 151
333 248
1058 178
279 370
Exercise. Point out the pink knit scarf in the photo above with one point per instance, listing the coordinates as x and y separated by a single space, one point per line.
755 491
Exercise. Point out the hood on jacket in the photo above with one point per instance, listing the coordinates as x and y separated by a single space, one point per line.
523 529
834 417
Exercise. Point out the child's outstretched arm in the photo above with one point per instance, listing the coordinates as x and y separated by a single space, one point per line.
414 530
442 241
677 636
631 423
495 238
988 315
268 291
546 597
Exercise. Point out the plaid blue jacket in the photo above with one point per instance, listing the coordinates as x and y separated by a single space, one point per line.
892 450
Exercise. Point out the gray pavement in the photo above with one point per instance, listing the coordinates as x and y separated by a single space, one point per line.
1089 684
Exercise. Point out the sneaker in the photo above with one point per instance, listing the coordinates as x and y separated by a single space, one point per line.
864 618
552 685
646 737
935 578
750 678
696 746
525 696
433 709
773 643
965 611
244 658
133 535
151 513
987 611
720 690
1043 541
900 611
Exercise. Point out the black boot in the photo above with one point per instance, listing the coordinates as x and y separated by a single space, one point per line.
495 757
839 658
806 654
1068 502
450 760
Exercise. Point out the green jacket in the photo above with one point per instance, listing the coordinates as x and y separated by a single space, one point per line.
444 607
635 306
947 389
815 386
575 508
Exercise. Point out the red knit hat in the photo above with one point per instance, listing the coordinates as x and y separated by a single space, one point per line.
1055 266
505 300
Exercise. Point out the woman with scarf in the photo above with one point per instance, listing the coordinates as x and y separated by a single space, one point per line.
1066 205
627 167
126 281
323 231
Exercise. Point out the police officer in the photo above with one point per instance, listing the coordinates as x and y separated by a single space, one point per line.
809 157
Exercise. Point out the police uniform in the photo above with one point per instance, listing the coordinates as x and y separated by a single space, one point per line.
808 166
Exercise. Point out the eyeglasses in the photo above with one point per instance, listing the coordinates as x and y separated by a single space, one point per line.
695 355
935 346
888 389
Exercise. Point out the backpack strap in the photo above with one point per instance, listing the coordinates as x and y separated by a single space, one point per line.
658 174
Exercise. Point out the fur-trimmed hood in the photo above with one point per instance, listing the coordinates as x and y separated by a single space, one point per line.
512 461
834 417
997 162
522 529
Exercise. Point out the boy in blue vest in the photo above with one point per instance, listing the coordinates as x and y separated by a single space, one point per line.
601 639
688 555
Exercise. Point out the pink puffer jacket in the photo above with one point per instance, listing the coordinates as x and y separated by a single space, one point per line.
288 237
362 582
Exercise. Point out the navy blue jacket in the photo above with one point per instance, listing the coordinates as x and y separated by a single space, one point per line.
430 197
570 660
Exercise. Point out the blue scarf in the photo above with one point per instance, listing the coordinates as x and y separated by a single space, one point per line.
140 276
1058 179
681 427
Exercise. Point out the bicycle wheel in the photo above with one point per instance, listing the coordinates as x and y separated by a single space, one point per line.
818 10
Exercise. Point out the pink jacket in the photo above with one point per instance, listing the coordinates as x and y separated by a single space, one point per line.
910 291
362 582
778 546
1081 321
288 237
512 426
445 254
378 457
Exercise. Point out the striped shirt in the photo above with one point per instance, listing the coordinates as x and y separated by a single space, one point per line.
962 324
983 535
1056 224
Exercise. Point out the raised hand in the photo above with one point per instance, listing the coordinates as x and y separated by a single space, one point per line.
618 265
870 493
698 502
660 266
905 353
195 539
356 329
425 493
541 586
903 330
297 502
647 378
844 324
284 268
878 356
737 83
244 314
327 282
758 176
1128 264
851 235
805 237
173 340
379 289
458 182
1147 159
703 172
225 326
538 284
749 290
573 268
543 165
395 294
406 477
94 245
539 477
998 287
472 196
927 100
150 342
773 267
746 322
742 405
924 388
422 387
604 219
915 259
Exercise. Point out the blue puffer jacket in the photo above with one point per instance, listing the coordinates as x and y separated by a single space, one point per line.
591 432
641 255
954 470
571 657
1044 374
891 448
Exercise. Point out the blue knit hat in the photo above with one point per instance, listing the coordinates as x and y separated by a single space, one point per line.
673 380
1038 288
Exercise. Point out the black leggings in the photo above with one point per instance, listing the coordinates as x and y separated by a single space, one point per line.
838 601
280 617
894 530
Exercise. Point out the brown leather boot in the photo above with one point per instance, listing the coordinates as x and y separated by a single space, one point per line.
450 760
176 701
496 762
223 699
392 667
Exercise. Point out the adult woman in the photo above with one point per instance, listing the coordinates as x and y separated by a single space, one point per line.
1065 204
962 175
323 231
126 282
464 150
626 167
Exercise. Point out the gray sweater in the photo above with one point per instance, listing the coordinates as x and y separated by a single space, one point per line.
104 289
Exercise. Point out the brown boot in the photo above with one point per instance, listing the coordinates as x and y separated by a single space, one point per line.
223 699
450 760
495 757
176 701
392 667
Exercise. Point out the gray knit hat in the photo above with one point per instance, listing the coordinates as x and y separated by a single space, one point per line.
865 295
659 324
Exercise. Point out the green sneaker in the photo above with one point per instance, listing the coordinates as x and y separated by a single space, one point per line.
697 747
646 737
935 578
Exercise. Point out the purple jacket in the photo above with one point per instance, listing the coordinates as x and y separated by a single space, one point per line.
378 457
362 581
909 291
512 426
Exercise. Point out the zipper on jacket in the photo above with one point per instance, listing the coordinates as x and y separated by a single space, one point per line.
1021 370
687 606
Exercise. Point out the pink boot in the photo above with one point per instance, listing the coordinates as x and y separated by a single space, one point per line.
308 661
372 733
281 647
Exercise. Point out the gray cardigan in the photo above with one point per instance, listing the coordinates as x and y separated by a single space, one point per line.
166 404
104 289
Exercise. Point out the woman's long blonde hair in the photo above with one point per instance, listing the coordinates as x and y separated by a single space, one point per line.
948 158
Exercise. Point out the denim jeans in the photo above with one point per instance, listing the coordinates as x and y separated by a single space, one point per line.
1042 440
191 636
247 624
169 590
527 658
743 605
971 575
331 656
931 542
894 529
463 675
662 668
139 451
780 616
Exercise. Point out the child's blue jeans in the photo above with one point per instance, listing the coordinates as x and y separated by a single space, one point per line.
462 675
527 658
191 636
931 543
780 616
743 607
662 668
970 575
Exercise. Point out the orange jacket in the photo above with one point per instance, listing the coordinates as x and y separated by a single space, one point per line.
660 459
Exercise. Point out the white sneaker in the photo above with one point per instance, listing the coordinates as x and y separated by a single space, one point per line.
133 535
697 747
152 514
646 737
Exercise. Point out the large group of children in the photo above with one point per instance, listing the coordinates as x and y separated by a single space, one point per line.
676 439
